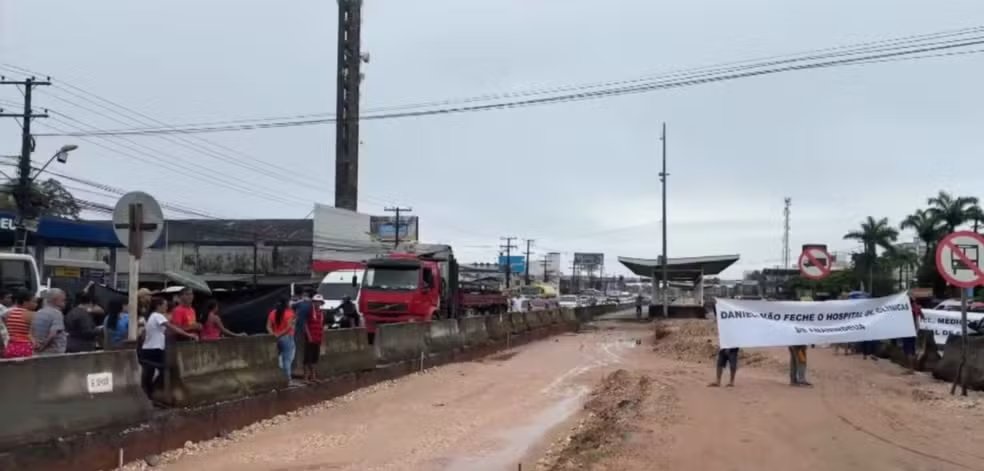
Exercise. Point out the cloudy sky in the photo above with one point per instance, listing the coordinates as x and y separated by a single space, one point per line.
843 143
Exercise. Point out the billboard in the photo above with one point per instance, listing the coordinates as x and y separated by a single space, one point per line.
384 228
516 263
589 260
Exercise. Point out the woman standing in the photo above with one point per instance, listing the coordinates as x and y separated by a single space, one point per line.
151 352
314 332
213 328
80 325
19 317
280 324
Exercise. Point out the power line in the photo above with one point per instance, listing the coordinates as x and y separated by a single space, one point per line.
882 51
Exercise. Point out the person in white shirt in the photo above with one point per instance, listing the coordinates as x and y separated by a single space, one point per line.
151 352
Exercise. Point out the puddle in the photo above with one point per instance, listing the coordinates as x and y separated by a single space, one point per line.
517 441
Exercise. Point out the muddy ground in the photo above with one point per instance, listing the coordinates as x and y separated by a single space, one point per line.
617 398
861 414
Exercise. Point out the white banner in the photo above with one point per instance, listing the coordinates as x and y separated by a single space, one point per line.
744 323
946 323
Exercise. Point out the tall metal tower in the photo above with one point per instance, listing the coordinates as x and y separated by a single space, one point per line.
347 104
785 233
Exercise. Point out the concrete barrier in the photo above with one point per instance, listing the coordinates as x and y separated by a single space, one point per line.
231 368
401 342
345 351
445 336
518 322
973 370
555 316
533 320
473 330
54 396
569 317
498 326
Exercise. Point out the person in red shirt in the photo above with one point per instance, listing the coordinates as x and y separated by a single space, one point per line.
280 324
213 329
183 316
314 332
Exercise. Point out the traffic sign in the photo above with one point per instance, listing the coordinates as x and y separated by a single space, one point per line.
958 258
814 263
138 221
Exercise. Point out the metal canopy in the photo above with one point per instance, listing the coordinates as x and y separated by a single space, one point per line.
680 269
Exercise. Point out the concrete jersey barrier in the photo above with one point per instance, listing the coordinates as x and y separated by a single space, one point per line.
401 342
533 319
217 370
445 336
53 396
946 368
498 326
518 322
345 351
473 330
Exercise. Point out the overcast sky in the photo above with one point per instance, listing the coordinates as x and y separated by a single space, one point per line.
843 143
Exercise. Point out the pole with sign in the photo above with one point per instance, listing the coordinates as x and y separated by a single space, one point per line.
138 222
958 257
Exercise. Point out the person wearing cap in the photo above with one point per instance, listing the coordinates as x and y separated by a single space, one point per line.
314 332
143 303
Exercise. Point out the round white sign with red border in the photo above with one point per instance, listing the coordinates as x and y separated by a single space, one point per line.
958 259
814 263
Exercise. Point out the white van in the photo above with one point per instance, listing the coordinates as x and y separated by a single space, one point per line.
338 284
19 271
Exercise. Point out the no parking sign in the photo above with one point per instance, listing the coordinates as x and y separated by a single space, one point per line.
958 259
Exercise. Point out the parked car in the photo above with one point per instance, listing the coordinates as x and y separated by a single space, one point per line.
569 301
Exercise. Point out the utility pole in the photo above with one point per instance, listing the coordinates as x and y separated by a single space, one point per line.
546 274
785 233
508 246
529 242
348 80
26 213
666 271
396 231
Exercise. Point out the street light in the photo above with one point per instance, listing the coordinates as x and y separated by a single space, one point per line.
61 156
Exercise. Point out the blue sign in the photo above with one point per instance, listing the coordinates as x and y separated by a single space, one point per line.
516 263
388 230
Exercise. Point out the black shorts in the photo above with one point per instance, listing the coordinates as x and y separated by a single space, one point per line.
727 355
312 352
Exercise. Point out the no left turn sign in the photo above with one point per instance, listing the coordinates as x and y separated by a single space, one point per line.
958 259
814 263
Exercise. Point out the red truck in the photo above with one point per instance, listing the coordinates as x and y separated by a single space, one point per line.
409 287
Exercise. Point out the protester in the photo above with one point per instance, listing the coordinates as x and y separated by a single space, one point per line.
350 313
302 309
116 324
144 296
183 313
909 343
729 357
4 336
799 352
280 324
213 329
48 324
81 326
314 331
638 306
18 322
793 364
151 353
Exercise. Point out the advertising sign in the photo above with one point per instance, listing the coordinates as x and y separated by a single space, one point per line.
589 260
516 263
384 228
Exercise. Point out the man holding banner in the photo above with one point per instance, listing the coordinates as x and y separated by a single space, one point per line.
751 323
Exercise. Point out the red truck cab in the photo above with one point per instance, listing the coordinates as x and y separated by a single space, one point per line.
401 288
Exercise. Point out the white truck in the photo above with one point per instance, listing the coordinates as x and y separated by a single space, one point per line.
338 284
19 271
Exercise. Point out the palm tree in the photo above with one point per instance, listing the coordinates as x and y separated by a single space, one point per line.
905 261
952 211
976 215
927 227
874 233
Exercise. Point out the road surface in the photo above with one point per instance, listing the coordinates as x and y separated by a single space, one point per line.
650 408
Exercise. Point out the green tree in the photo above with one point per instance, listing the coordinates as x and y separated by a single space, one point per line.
873 233
952 212
48 196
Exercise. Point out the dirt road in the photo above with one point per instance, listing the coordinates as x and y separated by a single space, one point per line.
597 400
486 415
861 415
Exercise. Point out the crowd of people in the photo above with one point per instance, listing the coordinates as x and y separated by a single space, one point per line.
32 325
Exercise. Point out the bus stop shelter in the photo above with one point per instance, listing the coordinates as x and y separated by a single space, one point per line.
689 270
